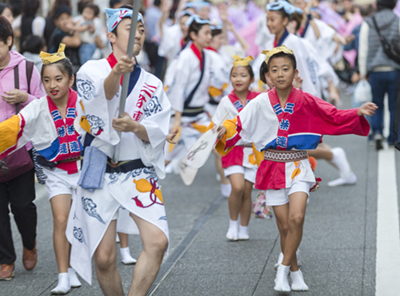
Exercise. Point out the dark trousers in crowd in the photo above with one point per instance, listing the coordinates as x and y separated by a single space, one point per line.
382 83
156 62
19 193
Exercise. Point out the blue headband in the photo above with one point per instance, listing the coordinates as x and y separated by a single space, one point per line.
115 16
216 26
200 4
185 13
189 5
197 19
289 8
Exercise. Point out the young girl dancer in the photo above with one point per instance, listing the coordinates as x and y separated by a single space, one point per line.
49 124
239 164
188 91
284 123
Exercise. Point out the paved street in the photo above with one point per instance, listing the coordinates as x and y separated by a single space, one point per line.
339 252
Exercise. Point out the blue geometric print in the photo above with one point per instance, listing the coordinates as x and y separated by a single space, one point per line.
289 108
278 109
78 234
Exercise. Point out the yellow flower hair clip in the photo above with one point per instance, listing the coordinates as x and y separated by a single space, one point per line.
270 53
238 61
50 58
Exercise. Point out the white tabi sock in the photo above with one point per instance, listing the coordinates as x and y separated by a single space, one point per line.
232 233
298 283
63 286
126 257
281 279
243 233
73 278
226 190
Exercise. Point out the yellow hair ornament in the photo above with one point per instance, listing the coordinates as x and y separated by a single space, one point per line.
50 58
270 53
238 61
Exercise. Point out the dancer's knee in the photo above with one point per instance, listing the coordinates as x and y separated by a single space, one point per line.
158 245
105 259
296 219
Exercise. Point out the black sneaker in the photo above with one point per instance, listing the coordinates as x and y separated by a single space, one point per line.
378 142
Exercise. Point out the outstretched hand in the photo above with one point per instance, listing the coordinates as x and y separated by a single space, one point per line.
124 65
367 109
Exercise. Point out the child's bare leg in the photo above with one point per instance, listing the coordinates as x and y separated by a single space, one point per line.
245 210
235 202
297 210
323 151
123 239
126 257
282 217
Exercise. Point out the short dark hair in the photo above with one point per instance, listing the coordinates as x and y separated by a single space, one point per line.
92 6
82 4
64 65
30 7
249 69
6 31
265 67
60 10
157 3
194 27
298 18
4 6
386 4
282 13
33 44
113 2
56 4
216 32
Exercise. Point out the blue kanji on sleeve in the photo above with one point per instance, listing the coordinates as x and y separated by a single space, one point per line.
278 109
61 131
63 148
70 130
281 142
289 108
56 115
284 125
74 147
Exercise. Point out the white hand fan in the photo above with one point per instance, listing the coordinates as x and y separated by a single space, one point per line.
201 150
187 173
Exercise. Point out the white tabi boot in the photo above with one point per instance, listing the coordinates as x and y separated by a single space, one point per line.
232 233
281 279
298 283
126 257
280 259
63 286
243 233
73 278
347 177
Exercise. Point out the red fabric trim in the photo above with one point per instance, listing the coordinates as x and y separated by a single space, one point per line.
237 137
234 157
210 48
113 61
70 167
233 98
182 43
301 30
275 43
198 54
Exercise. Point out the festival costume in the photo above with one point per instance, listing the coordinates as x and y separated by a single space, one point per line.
219 77
134 187
189 94
240 159
274 128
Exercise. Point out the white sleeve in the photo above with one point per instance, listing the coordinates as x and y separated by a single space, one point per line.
363 49
38 25
17 23
176 91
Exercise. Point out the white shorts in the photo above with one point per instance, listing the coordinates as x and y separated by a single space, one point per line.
59 182
249 173
281 197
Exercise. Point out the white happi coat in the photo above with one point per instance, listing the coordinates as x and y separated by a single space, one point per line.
137 191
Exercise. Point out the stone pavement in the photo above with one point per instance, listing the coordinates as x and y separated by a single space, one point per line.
338 251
